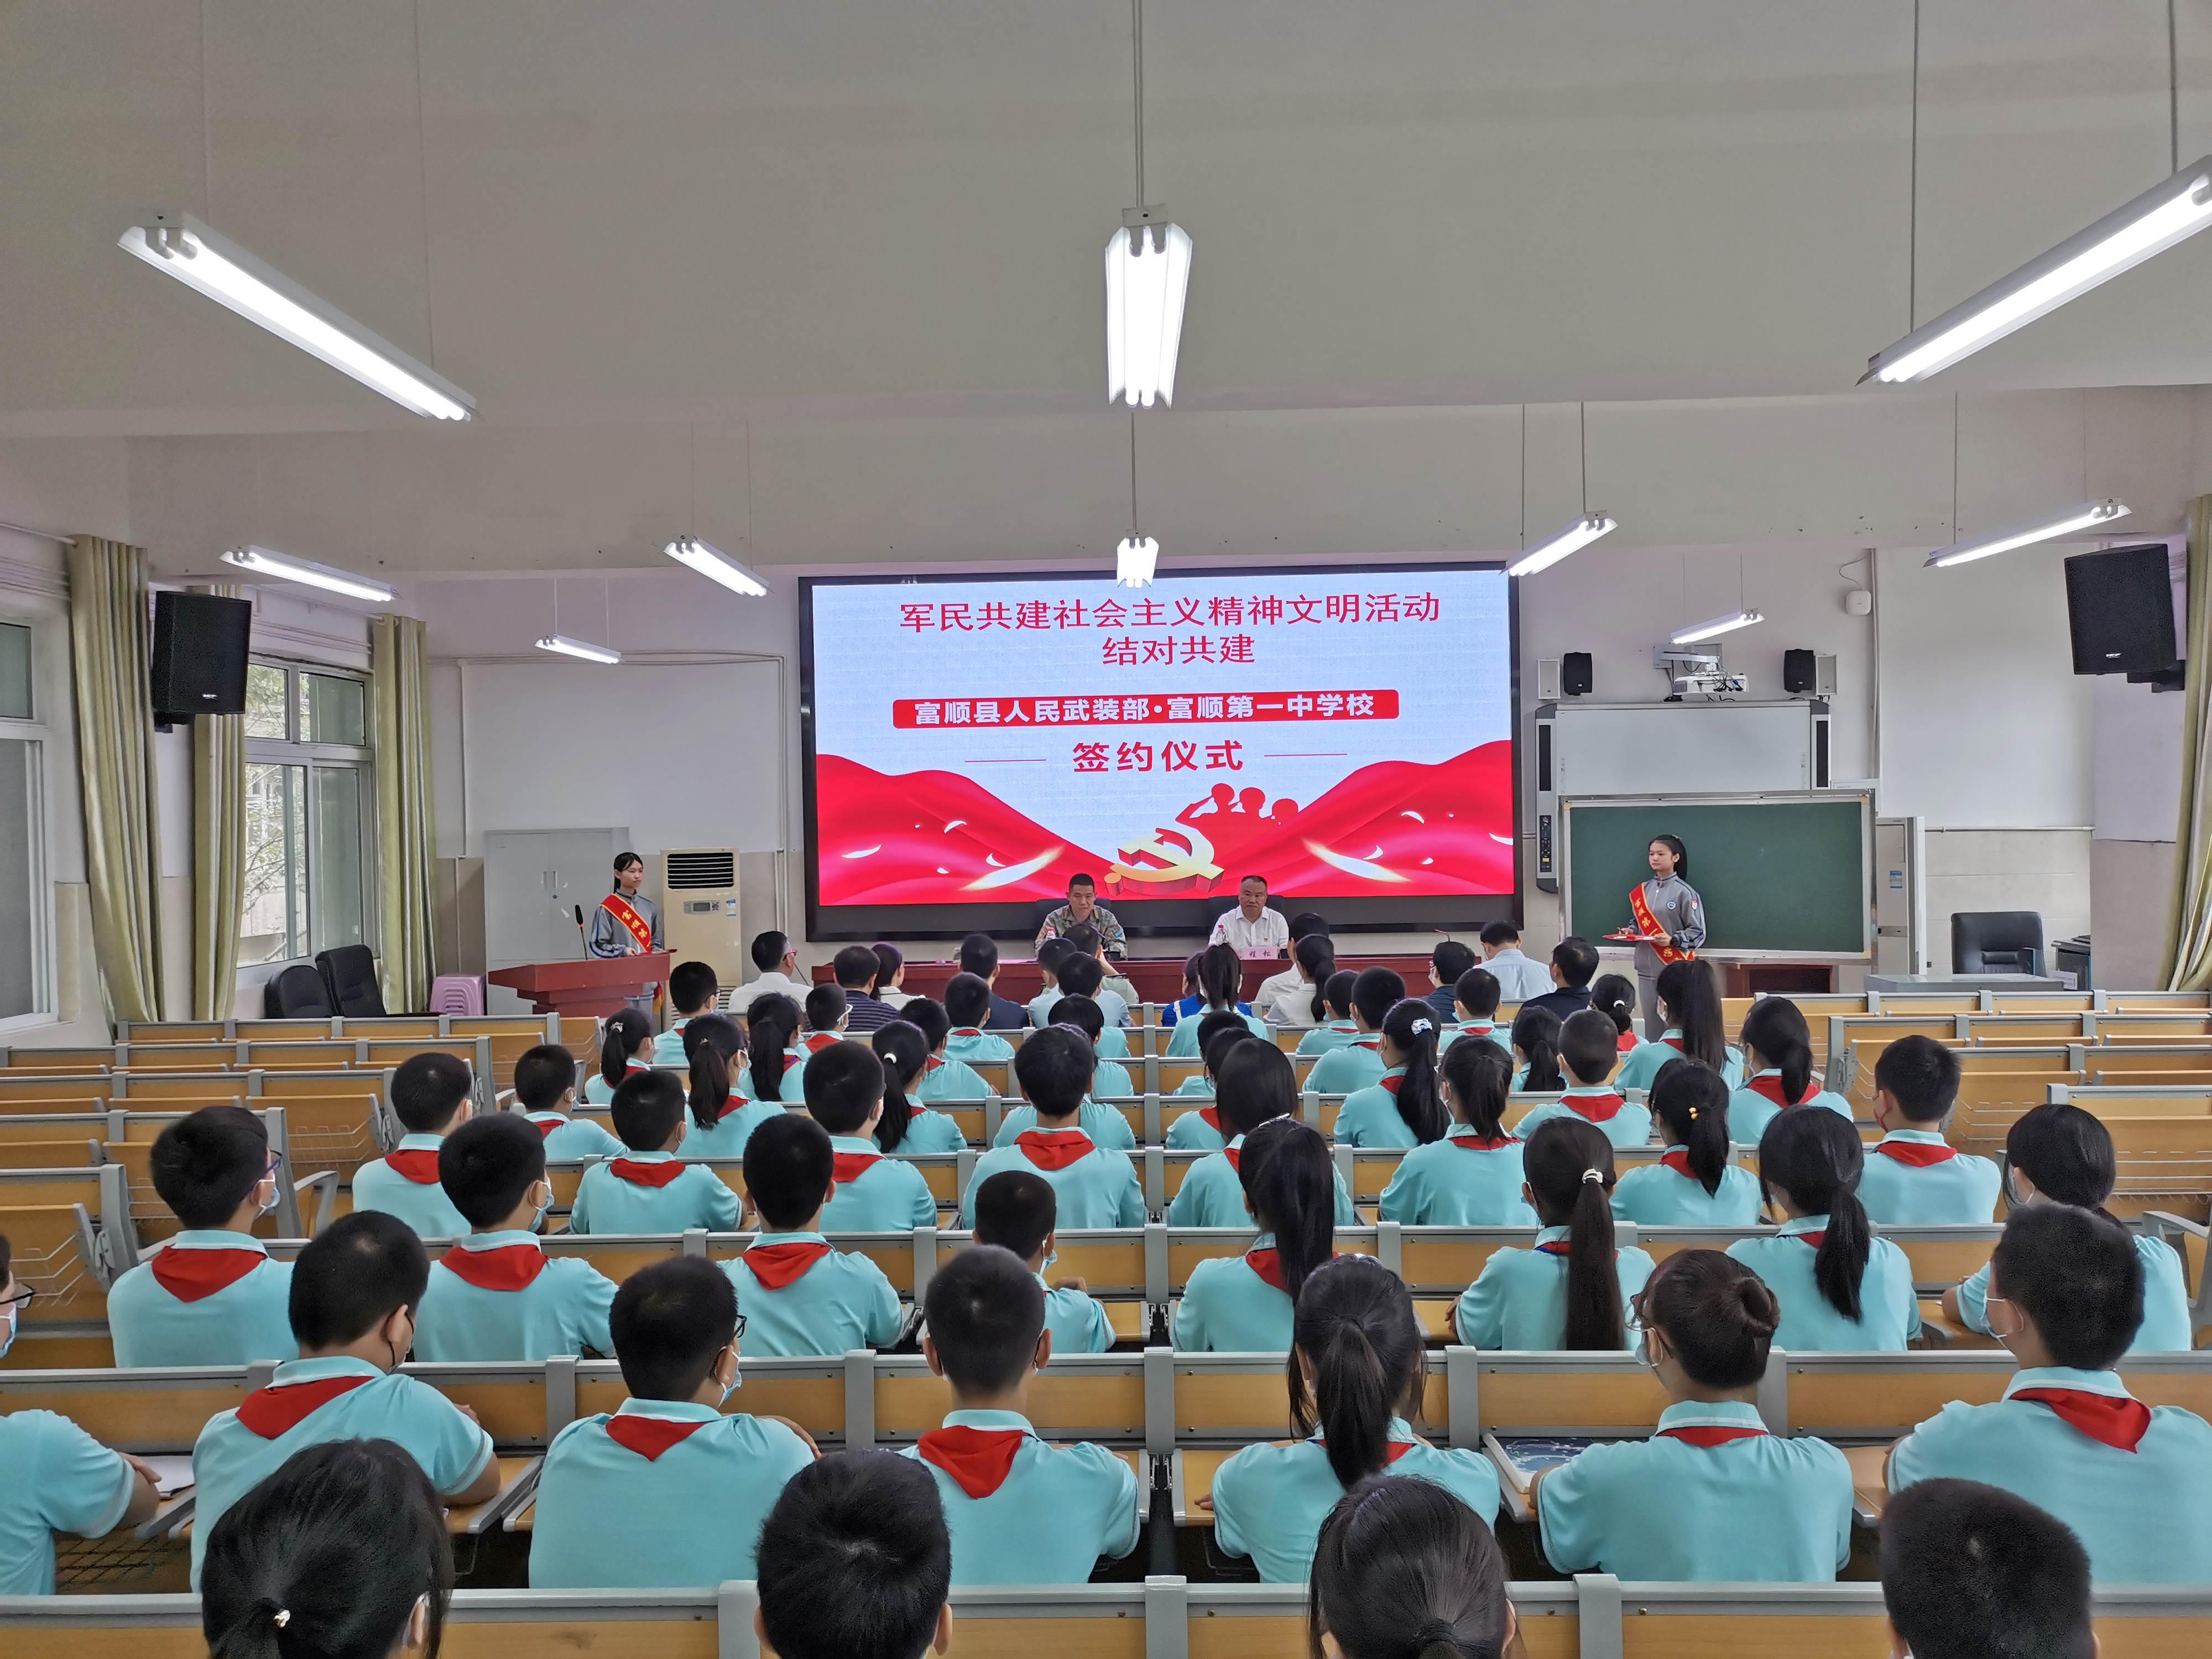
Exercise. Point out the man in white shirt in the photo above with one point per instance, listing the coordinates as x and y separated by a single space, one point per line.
1519 977
778 962
1252 929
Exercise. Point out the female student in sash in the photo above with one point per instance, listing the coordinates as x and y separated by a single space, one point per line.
1670 922
627 923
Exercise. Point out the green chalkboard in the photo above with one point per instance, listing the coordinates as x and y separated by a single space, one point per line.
1776 875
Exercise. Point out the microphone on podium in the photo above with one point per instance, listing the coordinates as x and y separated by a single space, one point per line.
582 937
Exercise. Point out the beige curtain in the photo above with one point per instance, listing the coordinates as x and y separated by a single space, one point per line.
2189 933
405 820
218 854
108 650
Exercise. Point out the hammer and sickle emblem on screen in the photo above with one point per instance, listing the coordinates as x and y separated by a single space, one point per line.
1175 863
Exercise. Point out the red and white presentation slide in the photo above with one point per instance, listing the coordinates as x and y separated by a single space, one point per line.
1344 732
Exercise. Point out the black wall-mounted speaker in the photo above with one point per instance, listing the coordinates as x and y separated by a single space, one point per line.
2119 606
1799 672
199 654
1575 674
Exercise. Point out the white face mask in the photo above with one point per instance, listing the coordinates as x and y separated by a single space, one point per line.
8 1341
270 1202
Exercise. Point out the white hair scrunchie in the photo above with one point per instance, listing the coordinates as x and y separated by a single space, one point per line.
1597 1175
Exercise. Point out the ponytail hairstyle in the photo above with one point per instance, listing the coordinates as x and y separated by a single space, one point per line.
1336 993
1290 1185
904 1051
625 1032
1254 1082
1568 1164
1778 1031
1220 976
711 1042
1317 959
1355 1332
1404 1570
1536 1034
1614 996
1190 972
1718 1315
1693 1008
2067 1152
1814 1158
327 1558
1411 1029
1692 1102
773 1020
1481 1077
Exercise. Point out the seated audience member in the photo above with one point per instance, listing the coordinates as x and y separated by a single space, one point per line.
1258 1085
906 1126
496 1295
1020 1511
1472 1177
356 1287
1203 1131
341 1553
773 1024
1697 1181
1110 1079
59 1478
943 1079
1614 995
844 1086
1569 1292
692 991
1403 1567
1970 1571
1245 1304
648 1189
2059 1154
545 1094
1574 964
722 1119
626 1041
1357 1373
890 975
855 1563
1913 1178
1778 1051
1520 976
968 1003
432 1095
828 1012
775 969
1095 1184
799 1296
858 970
1339 1028
1536 1068
1690 1023
666 1492
1084 975
1052 955
1358 1063
208 1295
1475 997
979 955
1402 1108
2134 1481
1220 990
1293 998
1446 964
1840 1287
1588 1053
1211 1028
1017 1211
1712 1495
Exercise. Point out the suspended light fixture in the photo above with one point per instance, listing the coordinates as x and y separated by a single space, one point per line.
1716 628
180 245
1148 277
1575 538
2087 516
1135 560
584 648
715 565
267 561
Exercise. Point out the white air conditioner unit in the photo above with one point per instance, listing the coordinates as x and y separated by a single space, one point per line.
699 910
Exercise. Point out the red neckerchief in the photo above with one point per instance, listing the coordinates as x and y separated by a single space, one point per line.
1269 1264
1712 1435
646 1175
649 1437
779 1266
1673 1043
849 1167
1772 1088
1626 1041
931 1065
815 1042
546 1126
195 1275
1391 1452
1814 1239
1677 1158
978 1460
1054 1151
509 1268
271 1412
1368 1039
1390 1085
1480 1143
733 1105
1919 1154
1212 1115
967 1031
417 1164
2119 1422
1236 1157
1595 1108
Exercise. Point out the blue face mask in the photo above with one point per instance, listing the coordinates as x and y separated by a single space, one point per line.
735 1383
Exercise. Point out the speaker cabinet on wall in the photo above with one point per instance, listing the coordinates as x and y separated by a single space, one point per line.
1798 674
199 654
1575 674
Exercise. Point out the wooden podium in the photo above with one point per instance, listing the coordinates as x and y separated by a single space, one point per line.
595 985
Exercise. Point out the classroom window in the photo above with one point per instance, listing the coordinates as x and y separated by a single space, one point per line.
309 839
26 898
14 672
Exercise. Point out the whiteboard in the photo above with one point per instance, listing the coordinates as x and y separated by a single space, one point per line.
1663 748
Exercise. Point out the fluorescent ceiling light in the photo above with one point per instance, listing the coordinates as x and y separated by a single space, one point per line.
180 245
1575 538
1716 627
269 563
584 648
2165 214
1135 560
1147 274
715 565
2087 516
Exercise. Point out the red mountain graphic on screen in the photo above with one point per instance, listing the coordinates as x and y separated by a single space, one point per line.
1397 829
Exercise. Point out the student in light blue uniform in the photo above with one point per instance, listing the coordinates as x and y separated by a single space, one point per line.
1842 1289
2060 1154
545 1094
1536 1068
1052 955
1472 1177
1614 995
1220 986
354 1290
1244 1304
2134 1482
1404 1566
721 1119
1083 975
1095 1186
1568 1292
1354 1328
1340 1028
906 1126
1110 1079
799 1295
496 1295
625 1049
1959 1557
1914 1178
1689 1007
692 991
1258 1085
968 1005
209 1296
1712 1496
431 1096
667 1492
1402 1108
1020 1511
942 1078
844 1086
1358 1063
1203 1130
1475 997
1586 1051
855 1559
1777 1048
1695 1183
1017 1211
648 1189
772 1028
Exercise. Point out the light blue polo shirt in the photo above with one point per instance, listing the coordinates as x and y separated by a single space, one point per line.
888 1195
1663 1195
1194 1132
423 1206
841 1302
1369 1116
1629 1126
1183 1041
597 1091
610 1517
1763 1509
1644 1061
1098 1189
668 1046
1111 1004
1327 1039
1269 1501
927 1131
1462 1181
1227 1308
1110 1080
1105 1126
727 1135
576 1137
973 1042
1488 1030
1058 1510
794 1060
229 1460
2166 1325
2145 1517
247 1319
1199 1085
1958 1190
952 1080
1750 1111
1889 1311
564 1311
605 1203
1078 1322
1519 1300
1113 1041
59 1480
1213 1195
1348 1069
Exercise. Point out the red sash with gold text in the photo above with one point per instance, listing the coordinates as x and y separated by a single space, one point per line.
626 913
1647 923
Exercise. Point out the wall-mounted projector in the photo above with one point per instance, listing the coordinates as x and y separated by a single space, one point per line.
1693 671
